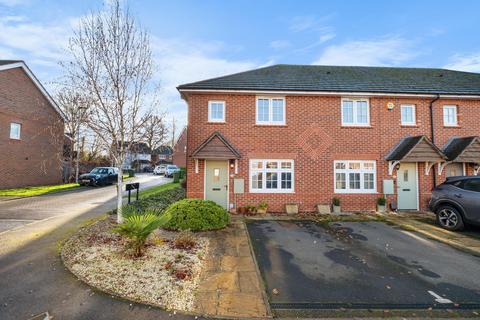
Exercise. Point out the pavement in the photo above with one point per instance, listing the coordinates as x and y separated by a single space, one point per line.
33 279
230 284
364 265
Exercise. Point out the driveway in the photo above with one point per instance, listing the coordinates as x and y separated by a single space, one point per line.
32 277
363 265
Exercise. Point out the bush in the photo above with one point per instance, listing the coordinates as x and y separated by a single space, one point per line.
157 203
381 201
176 177
183 183
336 201
196 215
137 227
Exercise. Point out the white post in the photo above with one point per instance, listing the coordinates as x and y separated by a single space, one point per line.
120 194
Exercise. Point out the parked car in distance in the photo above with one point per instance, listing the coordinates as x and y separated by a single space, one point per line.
99 176
159 169
456 202
170 170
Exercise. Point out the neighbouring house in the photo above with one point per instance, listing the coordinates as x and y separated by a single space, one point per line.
31 129
180 150
162 155
298 134
138 157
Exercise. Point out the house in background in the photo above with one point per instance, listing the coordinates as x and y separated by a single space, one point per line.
180 150
162 155
304 134
138 157
31 129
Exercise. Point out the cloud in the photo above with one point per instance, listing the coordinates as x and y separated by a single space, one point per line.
280 44
387 51
306 23
13 3
181 61
470 63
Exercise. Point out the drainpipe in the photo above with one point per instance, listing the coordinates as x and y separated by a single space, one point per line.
432 136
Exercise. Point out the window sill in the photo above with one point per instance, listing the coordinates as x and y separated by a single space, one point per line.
271 191
15 139
354 192
216 122
355 127
409 126
452 126
269 125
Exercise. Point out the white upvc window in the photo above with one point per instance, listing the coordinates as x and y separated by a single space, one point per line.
355 176
408 114
15 130
216 111
271 176
355 112
450 116
270 111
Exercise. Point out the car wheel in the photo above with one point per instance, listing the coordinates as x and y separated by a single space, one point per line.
450 218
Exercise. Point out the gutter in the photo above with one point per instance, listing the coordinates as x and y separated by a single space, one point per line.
432 135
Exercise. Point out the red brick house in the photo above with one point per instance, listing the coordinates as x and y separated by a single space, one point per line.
180 150
305 134
31 129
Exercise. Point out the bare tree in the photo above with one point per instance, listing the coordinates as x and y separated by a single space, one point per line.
155 131
75 107
112 61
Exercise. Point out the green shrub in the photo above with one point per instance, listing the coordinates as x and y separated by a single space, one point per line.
196 215
381 201
137 227
336 201
176 177
157 203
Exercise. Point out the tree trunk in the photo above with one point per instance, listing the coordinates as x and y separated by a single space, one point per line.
120 195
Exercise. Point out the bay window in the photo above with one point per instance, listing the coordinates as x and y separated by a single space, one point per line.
271 176
355 176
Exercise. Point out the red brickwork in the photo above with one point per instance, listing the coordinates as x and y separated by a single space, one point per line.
179 150
314 137
35 159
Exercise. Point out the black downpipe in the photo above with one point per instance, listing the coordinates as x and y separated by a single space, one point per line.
432 137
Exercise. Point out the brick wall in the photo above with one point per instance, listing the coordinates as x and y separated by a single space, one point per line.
35 159
179 153
314 138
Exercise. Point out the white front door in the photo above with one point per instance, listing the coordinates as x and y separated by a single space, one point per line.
407 186
216 182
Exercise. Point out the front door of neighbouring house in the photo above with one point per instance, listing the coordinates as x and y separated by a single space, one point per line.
407 186
216 182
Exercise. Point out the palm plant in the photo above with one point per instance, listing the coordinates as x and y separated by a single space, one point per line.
137 227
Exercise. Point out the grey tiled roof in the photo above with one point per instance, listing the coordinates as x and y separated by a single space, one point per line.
4 62
456 146
284 77
402 149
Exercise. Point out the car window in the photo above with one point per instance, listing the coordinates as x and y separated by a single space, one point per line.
99 171
472 185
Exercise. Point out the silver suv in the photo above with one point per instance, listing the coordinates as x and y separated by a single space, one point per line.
456 202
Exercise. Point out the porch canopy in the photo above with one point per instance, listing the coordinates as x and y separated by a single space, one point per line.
415 149
463 149
216 147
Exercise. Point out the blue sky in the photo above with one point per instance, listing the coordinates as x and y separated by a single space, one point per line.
194 40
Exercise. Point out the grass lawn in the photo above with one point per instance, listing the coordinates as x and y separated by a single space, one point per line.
157 189
37 190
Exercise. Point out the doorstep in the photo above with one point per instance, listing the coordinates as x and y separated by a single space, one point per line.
230 285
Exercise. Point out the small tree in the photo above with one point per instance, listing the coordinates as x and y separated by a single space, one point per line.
155 131
112 62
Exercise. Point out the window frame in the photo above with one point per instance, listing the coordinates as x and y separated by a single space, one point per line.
277 170
270 121
362 172
414 114
19 131
355 123
451 107
210 105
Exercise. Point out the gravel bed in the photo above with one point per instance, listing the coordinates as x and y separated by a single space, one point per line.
165 276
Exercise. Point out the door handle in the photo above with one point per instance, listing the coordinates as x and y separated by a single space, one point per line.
458 195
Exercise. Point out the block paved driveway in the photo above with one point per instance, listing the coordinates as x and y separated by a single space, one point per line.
363 265
33 279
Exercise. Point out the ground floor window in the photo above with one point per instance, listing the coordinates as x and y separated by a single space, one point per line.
271 176
353 176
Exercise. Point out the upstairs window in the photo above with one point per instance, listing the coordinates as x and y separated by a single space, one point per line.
15 130
408 114
216 111
355 112
270 111
450 116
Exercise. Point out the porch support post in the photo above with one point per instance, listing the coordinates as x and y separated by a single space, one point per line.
441 166
476 169
428 165
196 165
391 166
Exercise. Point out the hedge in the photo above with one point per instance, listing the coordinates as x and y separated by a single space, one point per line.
196 215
